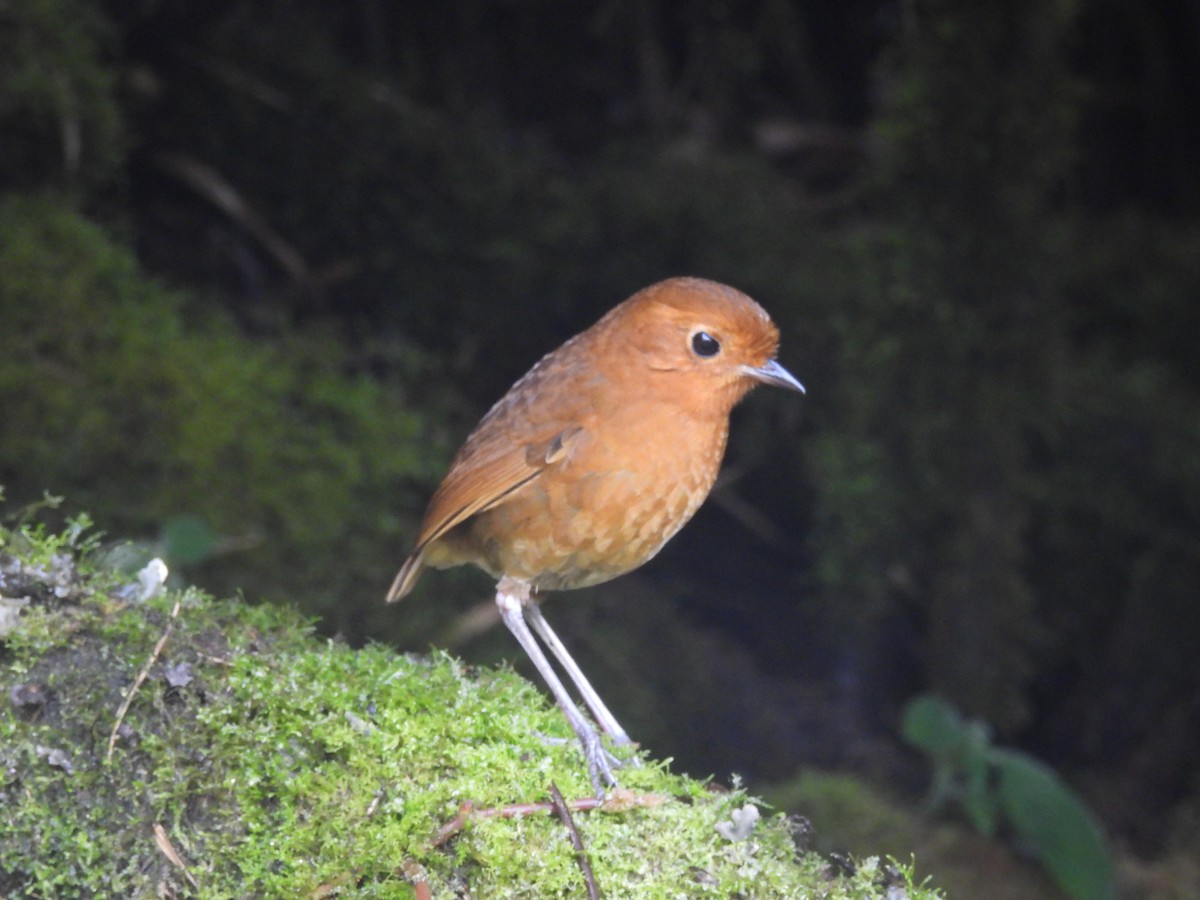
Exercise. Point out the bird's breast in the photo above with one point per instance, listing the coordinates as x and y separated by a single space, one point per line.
610 505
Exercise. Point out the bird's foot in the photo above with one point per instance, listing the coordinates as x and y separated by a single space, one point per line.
600 761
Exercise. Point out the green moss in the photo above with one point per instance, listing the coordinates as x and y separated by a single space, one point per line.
164 420
852 815
276 763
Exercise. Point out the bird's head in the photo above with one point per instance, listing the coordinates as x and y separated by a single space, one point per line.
714 340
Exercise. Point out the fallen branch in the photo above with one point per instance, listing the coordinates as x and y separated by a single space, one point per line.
137 683
618 801
585 865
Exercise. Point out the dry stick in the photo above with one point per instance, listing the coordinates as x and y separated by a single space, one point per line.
748 516
467 811
418 878
168 850
618 801
374 804
332 887
585 866
137 683
213 187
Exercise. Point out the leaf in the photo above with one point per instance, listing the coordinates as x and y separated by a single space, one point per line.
1047 814
979 799
933 725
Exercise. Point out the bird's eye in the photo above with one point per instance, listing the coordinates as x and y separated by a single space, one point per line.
704 344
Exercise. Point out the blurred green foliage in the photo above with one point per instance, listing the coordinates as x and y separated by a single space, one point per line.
1008 444
994 784
131 401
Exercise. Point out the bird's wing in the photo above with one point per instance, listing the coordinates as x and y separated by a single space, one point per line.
478 482
485 480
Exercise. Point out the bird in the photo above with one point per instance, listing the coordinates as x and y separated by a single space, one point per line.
592 461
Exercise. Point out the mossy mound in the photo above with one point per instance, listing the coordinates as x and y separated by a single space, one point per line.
257 760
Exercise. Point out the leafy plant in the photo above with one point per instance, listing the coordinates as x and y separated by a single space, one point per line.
995 785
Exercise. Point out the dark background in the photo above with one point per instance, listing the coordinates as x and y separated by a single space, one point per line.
263 265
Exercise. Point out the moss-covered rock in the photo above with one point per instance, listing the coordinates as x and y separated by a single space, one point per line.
257 760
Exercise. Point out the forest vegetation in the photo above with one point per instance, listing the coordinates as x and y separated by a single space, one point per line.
263 265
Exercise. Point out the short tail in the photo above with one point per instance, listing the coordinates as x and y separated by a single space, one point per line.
406 577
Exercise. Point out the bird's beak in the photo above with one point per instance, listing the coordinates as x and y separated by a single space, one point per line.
772 372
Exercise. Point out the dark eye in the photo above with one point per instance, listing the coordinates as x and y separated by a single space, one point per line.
704 344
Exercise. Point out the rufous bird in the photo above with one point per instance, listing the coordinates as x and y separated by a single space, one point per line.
593 460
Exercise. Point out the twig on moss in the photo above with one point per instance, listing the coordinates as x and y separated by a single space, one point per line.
455 825
137 683
617 801
168 850
418 878
585 865
331 888
374 804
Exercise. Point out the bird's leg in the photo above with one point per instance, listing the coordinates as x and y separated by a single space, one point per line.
511 597
607 720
